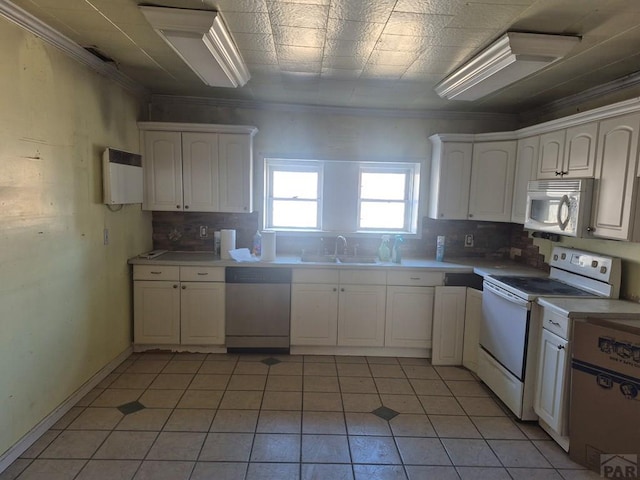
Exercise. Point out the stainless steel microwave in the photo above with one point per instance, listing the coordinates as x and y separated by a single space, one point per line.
561 206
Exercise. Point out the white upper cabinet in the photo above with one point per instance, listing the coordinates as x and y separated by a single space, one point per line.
197 167
162 171
526 168
568 153
450 178
492 174
616 188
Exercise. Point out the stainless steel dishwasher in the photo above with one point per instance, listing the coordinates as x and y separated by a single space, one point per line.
257 308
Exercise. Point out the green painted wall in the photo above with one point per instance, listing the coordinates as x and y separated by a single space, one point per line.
65 298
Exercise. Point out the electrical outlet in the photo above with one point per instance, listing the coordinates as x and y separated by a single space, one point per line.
204 231
468 240
105 236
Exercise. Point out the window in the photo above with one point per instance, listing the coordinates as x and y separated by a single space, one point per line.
341 196
293 195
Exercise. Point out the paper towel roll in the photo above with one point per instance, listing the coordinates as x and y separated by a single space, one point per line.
268 246
227 242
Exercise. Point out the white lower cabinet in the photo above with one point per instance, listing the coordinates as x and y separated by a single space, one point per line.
551 385
361 315
448 325
156 312
472 320
409 319
314 314
170 308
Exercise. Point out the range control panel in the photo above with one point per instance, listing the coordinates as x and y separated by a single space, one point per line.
588 264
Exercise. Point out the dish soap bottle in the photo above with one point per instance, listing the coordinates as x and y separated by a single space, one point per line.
395 254
256 249
384 252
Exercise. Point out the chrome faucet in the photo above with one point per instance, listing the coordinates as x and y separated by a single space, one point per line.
340 238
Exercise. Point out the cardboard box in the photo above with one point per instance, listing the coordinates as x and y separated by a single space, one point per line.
604 423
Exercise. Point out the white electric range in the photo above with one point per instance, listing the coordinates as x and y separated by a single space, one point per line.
510 333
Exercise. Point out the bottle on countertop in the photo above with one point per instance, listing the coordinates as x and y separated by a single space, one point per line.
256 249
396 257
384 251
216 243
440 248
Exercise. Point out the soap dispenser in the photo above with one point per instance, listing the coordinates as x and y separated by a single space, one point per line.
395 254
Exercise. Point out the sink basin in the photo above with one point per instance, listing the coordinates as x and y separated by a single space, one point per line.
309 258
352 259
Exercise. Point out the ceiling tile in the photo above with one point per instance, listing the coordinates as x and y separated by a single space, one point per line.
344 48
304 2
247 22
254 41
402 43
482 15
362 10
293 54
416 24
385 72
437 7
340 73
301 67
224 6
464 37
354 31
382 57
351 63
252 57
301 37
298 15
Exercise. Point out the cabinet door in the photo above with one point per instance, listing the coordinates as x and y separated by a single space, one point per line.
551 154
450 177
162 163
314 314
361 313
156 312
202 313
615 194
551 382
236 172
409 321
200 171
492 171
472 321
580 151
526 166
448 325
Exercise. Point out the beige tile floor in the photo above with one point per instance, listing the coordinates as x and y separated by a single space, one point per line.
234 417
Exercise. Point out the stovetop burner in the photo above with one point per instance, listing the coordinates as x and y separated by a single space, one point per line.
541 286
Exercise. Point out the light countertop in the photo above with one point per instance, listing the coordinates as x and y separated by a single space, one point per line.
592 307
479 266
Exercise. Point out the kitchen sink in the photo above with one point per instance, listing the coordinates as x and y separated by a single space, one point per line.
310 258
357 259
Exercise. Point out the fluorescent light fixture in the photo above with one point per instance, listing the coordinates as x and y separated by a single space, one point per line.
201 39
510 58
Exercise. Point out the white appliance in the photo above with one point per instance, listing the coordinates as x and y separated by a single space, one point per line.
121 177
510 328
559 206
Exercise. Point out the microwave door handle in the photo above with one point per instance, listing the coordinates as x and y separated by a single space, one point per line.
563 223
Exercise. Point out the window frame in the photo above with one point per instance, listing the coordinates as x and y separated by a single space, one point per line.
283 165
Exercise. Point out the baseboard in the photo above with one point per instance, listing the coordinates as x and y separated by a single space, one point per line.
46 423
361 351
139 347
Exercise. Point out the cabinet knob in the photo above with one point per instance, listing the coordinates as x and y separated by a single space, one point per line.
442 214
471 215
342 289
335 289
591 229
560 347
245 208
175 286
178 206
184 287
186 207
558 174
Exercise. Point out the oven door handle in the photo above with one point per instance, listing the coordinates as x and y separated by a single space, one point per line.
506 295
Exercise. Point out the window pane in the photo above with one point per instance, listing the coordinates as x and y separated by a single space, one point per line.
295 214
382 215
295 184
383 186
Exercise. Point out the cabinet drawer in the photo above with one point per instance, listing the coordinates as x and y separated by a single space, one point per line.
418 278
556 323
363 277
202 274
156 272
315 275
